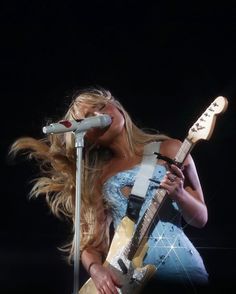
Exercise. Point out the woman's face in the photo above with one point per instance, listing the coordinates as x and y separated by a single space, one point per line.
103 136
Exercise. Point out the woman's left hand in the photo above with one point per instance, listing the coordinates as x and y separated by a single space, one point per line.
173 182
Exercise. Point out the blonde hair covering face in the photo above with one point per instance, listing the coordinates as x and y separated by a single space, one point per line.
56 158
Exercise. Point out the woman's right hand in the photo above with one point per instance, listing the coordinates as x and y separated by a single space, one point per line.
104 279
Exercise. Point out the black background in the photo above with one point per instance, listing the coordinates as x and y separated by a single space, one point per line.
165 60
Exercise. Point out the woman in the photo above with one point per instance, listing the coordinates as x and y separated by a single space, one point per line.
112 157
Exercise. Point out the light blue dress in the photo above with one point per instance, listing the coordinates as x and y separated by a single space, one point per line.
175 257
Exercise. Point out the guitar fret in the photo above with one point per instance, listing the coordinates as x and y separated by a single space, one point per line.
183 151
151 210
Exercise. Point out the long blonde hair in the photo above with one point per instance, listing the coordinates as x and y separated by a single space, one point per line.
55 155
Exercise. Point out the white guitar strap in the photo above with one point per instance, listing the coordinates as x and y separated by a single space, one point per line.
142 180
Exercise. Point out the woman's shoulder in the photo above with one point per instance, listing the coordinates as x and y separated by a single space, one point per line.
170 147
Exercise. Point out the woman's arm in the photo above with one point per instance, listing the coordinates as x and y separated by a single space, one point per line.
184 187
90 257
104 279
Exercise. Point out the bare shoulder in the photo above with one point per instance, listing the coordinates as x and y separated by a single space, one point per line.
170 147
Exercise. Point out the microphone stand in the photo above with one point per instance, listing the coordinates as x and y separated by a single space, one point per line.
79 144
78 128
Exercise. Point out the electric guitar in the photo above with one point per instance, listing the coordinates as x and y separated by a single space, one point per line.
129 246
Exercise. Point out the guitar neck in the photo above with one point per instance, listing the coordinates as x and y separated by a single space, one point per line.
185 148
155 205
201 130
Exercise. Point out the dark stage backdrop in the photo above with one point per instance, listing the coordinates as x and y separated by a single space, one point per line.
165 60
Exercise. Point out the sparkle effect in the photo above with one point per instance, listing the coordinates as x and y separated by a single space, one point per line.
173 245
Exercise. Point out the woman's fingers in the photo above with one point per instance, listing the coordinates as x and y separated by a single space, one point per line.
105 280
177 171
173 182
115 279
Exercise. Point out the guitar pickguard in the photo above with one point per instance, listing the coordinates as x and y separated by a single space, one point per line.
131 274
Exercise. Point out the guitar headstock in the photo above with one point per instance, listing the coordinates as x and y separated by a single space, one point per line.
202 129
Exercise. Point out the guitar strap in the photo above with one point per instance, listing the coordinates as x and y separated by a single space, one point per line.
142 181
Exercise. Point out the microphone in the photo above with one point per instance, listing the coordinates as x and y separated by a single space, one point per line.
98 121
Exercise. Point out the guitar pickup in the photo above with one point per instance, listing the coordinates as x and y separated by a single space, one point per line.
122 265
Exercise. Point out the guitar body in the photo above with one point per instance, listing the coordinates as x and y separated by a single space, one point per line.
132 275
